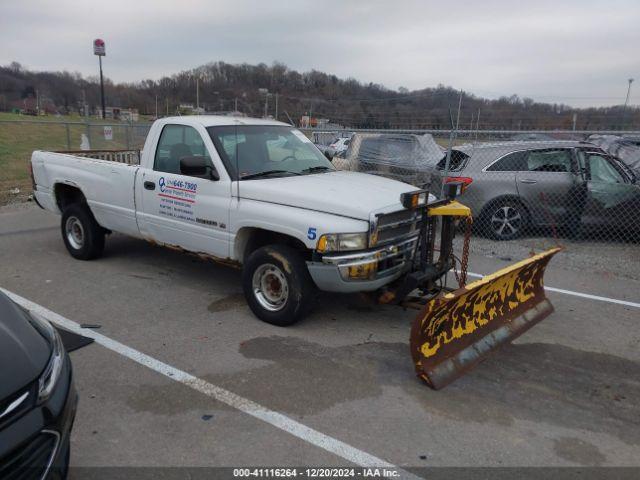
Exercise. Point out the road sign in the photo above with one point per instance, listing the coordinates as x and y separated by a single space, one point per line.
99 47
108 133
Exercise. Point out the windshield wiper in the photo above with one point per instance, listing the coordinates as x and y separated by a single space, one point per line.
267 173
317 168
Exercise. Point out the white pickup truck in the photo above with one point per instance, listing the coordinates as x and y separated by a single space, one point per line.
255 193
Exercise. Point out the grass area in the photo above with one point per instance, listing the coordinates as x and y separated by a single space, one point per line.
18 140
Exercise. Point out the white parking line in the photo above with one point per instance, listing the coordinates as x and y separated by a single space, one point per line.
579 294
278 420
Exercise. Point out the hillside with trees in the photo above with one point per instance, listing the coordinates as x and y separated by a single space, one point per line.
348 102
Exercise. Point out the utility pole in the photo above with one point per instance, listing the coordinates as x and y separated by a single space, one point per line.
156 107
276 106
265 92
235 103
167 100
198 94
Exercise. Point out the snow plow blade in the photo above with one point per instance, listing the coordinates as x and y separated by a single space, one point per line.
457 330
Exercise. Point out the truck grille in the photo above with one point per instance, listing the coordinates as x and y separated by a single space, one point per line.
395 226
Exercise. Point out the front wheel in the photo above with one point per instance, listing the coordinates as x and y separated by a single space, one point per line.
277 285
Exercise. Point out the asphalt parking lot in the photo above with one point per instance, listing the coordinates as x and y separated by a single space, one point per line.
566 393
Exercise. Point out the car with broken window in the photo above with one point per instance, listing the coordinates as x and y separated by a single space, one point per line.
405 157
513 186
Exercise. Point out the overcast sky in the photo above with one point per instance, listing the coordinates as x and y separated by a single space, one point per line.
578 52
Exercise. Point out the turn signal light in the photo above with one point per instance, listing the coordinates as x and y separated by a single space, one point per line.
364 271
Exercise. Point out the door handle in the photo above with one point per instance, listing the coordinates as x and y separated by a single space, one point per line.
528 180
150 185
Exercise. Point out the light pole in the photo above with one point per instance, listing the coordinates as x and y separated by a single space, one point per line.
626 102
99 49
266 94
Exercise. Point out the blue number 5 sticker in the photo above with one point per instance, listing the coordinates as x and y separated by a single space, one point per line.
311 234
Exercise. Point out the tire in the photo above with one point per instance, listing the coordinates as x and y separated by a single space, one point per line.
277 285
81 234
505 220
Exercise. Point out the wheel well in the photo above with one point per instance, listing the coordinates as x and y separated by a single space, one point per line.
249 239
67 195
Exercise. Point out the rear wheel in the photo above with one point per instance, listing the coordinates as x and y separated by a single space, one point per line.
505 220
81 234
277 285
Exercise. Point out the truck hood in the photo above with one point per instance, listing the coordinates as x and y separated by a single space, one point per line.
344 193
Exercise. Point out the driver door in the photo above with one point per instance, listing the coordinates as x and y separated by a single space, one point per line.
191 212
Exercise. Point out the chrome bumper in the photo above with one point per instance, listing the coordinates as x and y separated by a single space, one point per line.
389 263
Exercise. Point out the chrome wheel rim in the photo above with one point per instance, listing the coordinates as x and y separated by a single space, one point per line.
506 220
75 232
270 287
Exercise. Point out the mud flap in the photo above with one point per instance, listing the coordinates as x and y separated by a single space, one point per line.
457 330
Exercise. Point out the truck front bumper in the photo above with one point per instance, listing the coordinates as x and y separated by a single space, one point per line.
364 271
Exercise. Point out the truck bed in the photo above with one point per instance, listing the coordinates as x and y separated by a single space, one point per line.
130 157
106 178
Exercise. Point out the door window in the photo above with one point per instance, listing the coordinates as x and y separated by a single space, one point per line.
178 142
512 162
549 161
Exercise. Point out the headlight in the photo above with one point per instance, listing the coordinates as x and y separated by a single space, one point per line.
51 374
340 242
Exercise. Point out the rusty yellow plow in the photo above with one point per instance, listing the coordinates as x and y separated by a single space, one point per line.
456 330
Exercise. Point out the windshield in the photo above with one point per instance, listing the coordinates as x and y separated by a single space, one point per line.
261 151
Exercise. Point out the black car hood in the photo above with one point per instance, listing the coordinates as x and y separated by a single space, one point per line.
24 352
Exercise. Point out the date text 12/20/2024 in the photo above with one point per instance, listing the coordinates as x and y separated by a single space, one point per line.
316 472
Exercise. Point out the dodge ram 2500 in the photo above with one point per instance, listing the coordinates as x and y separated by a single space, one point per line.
256 193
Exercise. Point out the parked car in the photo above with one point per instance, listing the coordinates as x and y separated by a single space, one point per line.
625 148
340 145
511 186
408 158
37 396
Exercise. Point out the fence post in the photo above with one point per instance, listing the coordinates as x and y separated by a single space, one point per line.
68 136
128 132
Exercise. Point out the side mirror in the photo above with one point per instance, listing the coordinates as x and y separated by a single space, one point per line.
197 166
329 153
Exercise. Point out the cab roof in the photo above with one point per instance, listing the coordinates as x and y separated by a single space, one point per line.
219 120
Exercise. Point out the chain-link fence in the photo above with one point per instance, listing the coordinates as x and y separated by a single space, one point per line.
555 186
18 139
533 187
